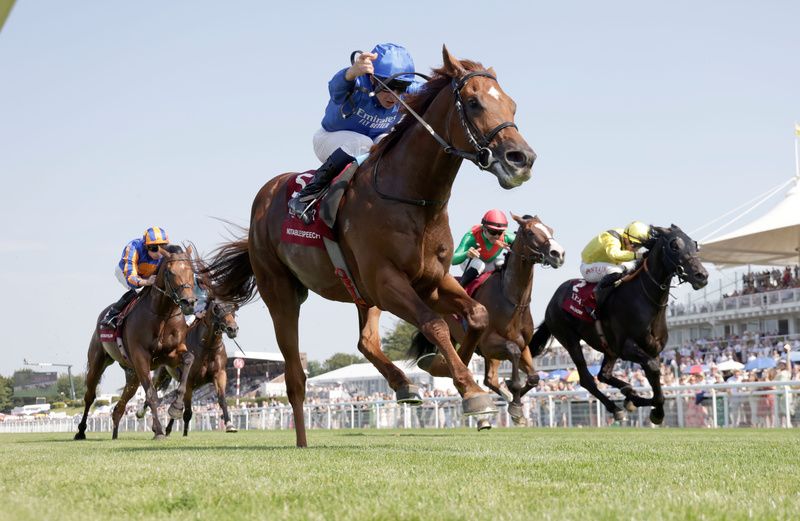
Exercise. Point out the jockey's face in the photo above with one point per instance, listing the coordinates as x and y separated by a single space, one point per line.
153 253
386 99
492 234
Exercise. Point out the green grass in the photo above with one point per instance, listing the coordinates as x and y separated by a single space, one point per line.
528 474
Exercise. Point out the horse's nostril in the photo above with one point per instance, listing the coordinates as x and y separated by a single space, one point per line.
555 253
515 157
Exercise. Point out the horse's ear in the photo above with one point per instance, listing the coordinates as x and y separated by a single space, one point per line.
164 253
490 70
451 64
189 251
517 218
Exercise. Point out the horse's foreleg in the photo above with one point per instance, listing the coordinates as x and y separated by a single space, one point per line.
526 363
96 365
652 370
606 375
491 379
220 382
369 343
131 384
187 411
397 296
141 364
177 406
453 299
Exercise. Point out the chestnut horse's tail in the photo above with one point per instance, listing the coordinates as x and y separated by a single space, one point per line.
539 340
231 274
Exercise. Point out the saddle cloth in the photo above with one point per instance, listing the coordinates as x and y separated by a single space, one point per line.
580 301
296 231
473 286
112 338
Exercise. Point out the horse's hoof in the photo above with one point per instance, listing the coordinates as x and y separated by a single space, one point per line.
408 394
629 405
426 361
176 413
484 425
80 436
656 417
507 396
520 422
478 404
159 437
230 428
515 411
619 416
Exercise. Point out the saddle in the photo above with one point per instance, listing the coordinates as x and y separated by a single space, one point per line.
473 286
320 233
112 338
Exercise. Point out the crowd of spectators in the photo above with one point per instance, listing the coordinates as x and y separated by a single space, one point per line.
768 280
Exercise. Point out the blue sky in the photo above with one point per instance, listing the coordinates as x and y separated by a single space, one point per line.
118 116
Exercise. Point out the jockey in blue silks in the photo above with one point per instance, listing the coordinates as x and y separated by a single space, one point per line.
359 113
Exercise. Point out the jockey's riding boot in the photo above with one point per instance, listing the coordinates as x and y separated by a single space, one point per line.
110 320
322 178
603 290
469 275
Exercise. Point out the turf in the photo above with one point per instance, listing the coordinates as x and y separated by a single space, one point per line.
526 474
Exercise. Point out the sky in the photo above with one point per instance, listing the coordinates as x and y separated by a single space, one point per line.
118 116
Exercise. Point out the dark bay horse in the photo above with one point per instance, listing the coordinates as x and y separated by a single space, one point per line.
636 326
153 334
506 294
204 340
393 230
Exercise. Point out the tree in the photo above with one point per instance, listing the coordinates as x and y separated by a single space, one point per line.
6 392
314 368
78 380
397 341
338 360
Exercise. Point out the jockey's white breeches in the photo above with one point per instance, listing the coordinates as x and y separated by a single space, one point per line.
355 144
595 271
121 278
482 266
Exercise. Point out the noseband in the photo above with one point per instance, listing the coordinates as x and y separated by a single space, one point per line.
172 291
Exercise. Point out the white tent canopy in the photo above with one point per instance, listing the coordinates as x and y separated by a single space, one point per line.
773 239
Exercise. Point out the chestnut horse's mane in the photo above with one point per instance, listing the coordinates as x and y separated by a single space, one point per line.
419 103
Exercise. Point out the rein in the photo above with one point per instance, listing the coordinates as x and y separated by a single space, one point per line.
482 157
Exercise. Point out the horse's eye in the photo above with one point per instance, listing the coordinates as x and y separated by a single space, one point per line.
473 103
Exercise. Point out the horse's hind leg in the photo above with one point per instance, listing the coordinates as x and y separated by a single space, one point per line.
97 363
283 294
369 343
526 363
515 384
131 384
220 382
492 380
177 406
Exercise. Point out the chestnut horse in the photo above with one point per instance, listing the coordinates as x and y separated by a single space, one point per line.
393 230
204 340
636 325
506 294
153 334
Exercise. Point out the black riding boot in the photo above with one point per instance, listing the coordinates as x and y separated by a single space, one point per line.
322 178
110 320
603 290
469 275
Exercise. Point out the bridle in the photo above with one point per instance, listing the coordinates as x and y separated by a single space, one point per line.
482 157
172 291
674 269
217 317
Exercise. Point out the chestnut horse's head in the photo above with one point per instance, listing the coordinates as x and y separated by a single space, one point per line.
484 121
176 277
536 239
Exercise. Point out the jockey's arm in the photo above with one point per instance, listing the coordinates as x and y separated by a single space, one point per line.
614 249
508 238
467 242
130 260
339 87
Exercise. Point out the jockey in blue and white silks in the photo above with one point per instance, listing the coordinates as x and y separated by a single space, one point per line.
359 113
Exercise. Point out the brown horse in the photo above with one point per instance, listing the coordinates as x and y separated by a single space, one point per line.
506 294
393 230
153 334
204 340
